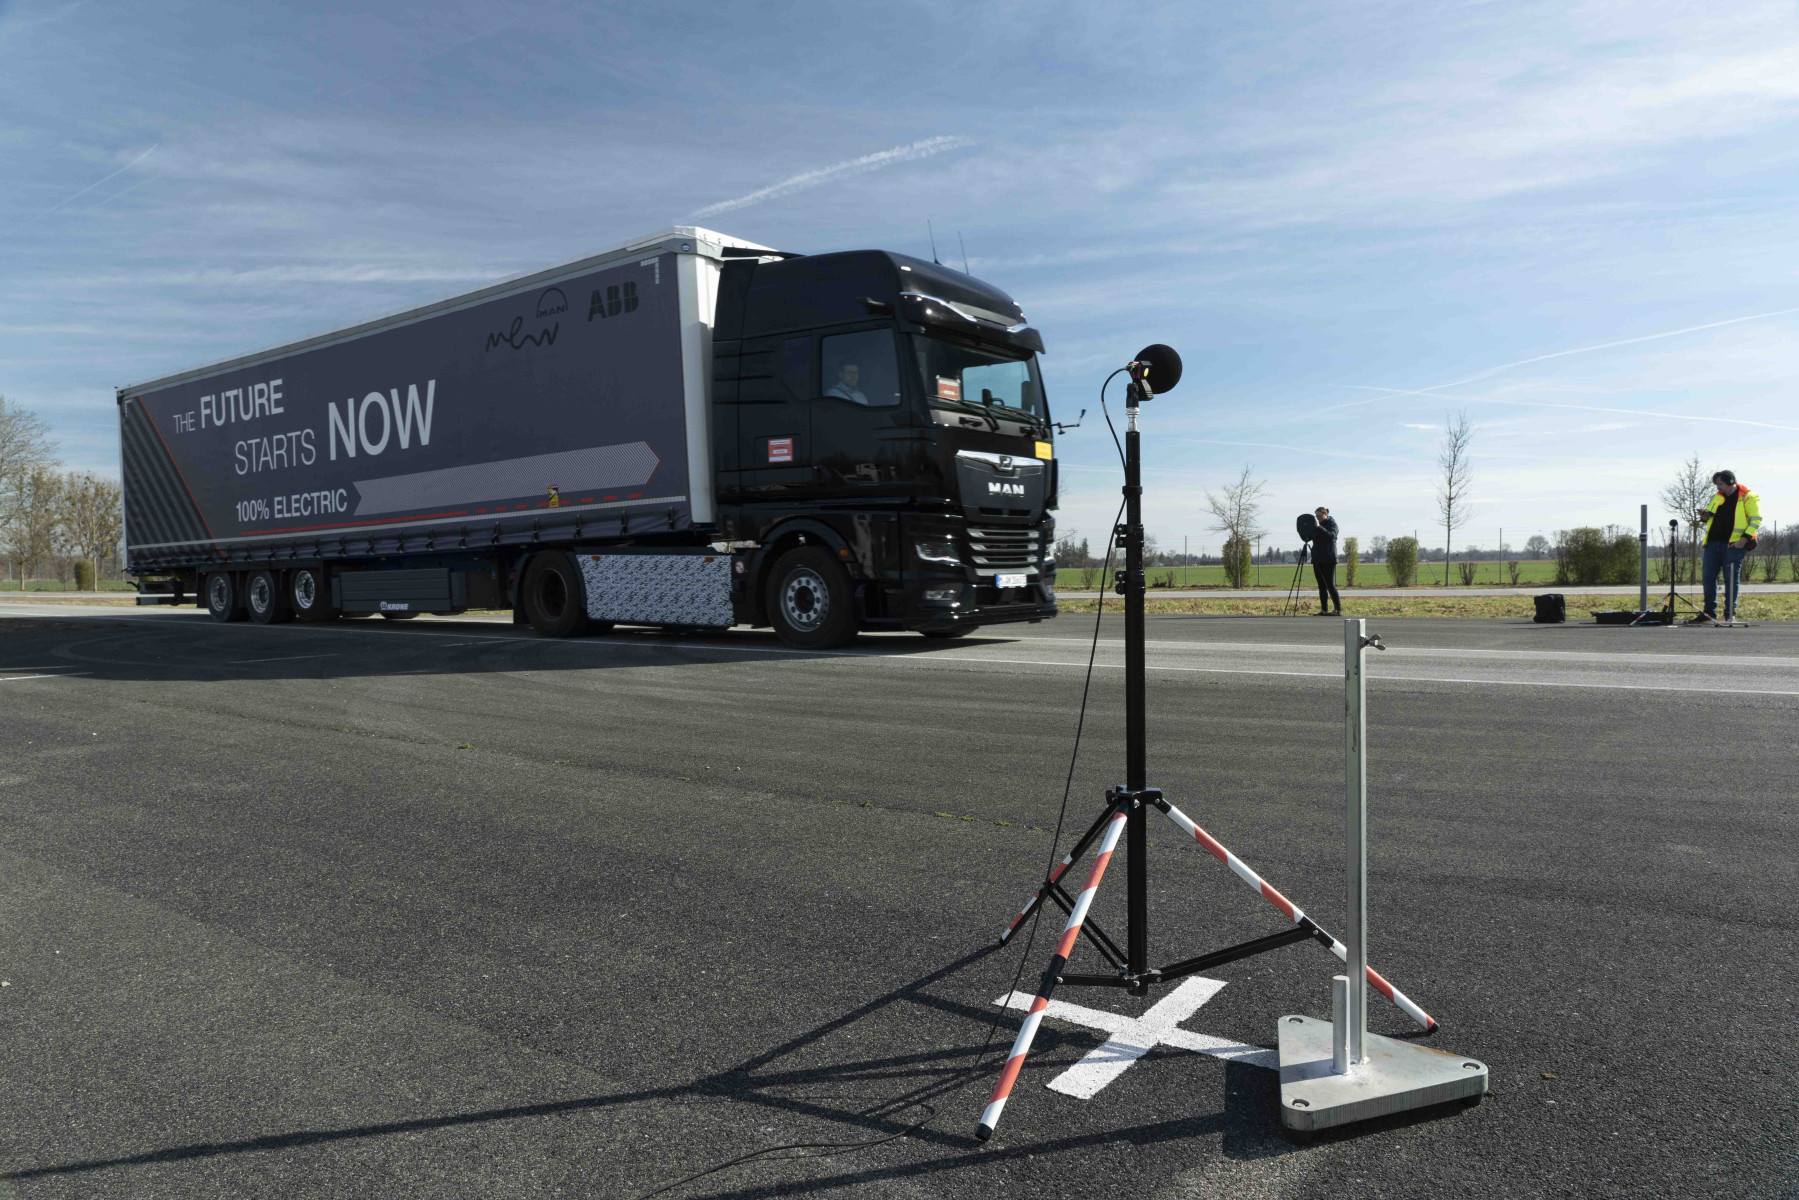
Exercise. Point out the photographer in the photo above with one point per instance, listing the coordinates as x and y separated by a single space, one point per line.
1324 562
1733 517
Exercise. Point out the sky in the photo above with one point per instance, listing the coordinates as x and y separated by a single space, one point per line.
1575 221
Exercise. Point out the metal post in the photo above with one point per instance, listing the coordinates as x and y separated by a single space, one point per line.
1340 1024
1397 1075
1136 715
1355 730
1643 579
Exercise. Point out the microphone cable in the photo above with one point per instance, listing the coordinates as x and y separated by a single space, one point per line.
793 1151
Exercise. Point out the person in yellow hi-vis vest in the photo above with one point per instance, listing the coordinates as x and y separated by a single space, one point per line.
1733 517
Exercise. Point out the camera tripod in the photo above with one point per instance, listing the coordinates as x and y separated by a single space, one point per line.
1125 816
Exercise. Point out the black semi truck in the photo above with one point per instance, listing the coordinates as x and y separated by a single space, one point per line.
687 430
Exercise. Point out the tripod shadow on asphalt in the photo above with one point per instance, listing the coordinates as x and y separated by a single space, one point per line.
843 1093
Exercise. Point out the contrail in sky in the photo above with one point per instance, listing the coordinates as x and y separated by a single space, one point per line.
855 166
90 187
1629 412
1652 337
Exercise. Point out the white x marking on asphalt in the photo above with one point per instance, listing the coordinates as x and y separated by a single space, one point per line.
1133 1037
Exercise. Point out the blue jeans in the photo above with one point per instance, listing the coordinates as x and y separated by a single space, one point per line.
1722 556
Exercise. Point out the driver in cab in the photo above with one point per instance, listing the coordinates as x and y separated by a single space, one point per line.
847 387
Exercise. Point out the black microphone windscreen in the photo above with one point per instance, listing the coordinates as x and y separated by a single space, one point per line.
1306 526
1164 367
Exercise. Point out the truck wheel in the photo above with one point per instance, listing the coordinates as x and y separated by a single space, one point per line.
809 600
222 600
554 601
309 594
264 599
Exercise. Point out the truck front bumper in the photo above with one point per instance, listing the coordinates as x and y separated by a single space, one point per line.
987 605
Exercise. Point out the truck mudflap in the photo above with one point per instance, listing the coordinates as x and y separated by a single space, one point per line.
658 588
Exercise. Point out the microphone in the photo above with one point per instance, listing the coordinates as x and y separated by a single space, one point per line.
1155 370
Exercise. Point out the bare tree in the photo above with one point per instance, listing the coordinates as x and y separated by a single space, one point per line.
25 446
1457 479
1237 508
36 519
1684 498
93 516
1377 548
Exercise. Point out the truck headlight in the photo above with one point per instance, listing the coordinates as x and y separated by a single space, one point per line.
937 552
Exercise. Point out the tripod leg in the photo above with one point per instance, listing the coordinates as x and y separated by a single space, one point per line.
1080 848
1027 1032
1241 870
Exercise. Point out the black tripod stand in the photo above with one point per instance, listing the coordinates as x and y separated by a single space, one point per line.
1126 812
1667 615
1290 606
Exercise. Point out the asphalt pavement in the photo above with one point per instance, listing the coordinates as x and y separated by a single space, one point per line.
438 908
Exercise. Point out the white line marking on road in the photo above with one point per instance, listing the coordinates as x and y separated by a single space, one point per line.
942 657
64 675
241 662
1446 651
1133 1037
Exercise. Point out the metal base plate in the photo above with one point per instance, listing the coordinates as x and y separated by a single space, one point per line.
1397 1076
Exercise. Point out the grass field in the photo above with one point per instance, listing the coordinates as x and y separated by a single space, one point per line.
1280 575
66 585
1780 606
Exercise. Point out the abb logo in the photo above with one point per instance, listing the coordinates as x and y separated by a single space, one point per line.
780 450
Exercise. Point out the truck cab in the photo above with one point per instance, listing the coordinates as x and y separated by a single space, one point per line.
881 440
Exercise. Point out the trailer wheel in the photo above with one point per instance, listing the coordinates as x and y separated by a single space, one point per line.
222 599
810 602
309 594
265 600
552 596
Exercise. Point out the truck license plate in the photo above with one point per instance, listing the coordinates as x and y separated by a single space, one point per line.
1010 581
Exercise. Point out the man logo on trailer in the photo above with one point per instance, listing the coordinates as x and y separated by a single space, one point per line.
551 302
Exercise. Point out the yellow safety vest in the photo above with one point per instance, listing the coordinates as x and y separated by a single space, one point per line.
1749 513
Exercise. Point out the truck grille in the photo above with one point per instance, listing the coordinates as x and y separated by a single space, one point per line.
1009 550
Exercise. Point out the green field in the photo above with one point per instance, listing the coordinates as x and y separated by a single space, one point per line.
1779 606
1280 576
66 585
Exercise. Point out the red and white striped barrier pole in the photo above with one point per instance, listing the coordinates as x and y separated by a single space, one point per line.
1030 906
1241 870
1027 1032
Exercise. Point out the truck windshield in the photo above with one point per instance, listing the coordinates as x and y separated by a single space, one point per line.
963 376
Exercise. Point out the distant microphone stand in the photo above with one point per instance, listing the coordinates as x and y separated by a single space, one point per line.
1290 606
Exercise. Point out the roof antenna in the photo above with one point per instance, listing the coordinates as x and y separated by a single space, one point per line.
933 233
964 246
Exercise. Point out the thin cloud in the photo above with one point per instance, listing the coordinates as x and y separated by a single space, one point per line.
1409 425
90 187
912 152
